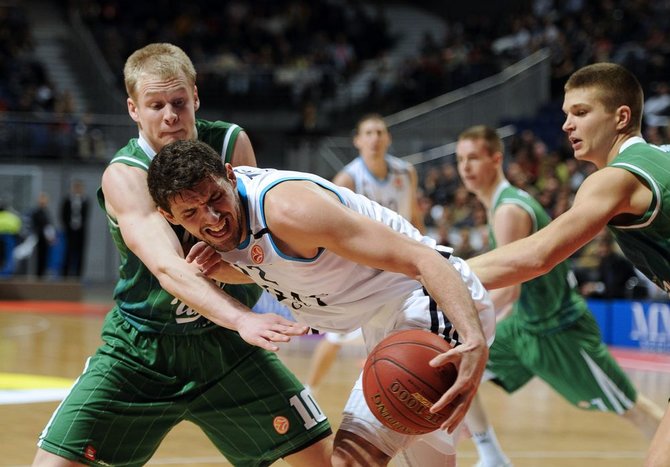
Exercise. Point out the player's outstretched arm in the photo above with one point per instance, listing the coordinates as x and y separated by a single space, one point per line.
362 240
151 238
603 195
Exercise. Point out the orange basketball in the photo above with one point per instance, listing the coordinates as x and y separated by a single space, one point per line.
400 386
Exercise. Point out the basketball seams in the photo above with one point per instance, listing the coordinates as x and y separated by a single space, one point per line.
396 405
408 371
400 386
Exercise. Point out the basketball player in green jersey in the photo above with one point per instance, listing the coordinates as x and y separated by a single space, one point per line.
545 328
176 347
629 193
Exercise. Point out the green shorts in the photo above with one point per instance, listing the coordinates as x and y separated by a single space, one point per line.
574 361
138 386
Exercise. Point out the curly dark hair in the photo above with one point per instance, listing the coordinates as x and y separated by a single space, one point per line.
180 166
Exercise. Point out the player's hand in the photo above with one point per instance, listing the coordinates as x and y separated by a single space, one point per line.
206 258
264 329
470 359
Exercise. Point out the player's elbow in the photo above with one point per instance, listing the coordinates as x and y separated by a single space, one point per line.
165 275
541 263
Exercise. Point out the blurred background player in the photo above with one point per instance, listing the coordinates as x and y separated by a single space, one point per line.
383 178
544 326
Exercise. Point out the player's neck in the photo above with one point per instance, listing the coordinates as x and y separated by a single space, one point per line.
376 164
486 193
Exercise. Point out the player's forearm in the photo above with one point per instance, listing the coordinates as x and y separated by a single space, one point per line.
200 293
453 297
504 267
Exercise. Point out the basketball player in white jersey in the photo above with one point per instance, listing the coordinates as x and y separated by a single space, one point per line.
383 178
341 262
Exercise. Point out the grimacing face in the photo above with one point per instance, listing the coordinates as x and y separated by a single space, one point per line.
211 211
164 109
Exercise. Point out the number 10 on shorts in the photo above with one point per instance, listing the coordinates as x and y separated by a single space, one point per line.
307 408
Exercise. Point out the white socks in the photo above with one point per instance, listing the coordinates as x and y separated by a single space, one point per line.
490 453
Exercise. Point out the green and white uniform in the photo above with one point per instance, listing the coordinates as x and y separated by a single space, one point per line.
161 363
551 333
646 240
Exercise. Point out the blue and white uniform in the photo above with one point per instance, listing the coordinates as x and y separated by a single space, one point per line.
331 293
395 191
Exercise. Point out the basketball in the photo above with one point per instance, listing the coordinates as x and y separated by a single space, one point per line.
400 386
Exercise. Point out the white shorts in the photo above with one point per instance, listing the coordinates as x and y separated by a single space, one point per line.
414 312
357 418
340 339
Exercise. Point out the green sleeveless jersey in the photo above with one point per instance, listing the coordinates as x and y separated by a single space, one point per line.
138 294
646 240
549 302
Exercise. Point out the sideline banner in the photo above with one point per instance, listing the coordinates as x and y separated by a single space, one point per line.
640 324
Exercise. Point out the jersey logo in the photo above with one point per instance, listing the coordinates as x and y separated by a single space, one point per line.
89 453
257 254
281 424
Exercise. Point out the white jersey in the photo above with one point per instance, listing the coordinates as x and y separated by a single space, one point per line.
331 293
393 192
327 292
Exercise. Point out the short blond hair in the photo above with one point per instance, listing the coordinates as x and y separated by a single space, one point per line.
486 134
162 60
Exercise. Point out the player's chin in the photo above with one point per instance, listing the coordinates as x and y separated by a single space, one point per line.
168 138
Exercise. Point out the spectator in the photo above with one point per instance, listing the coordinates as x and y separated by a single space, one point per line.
10 227
74 216
44 231
614 276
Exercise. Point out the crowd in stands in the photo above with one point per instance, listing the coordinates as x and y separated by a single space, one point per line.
256 54
296 53
23 82
42 120
577 32
293 52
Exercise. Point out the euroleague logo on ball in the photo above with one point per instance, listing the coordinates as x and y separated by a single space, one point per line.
281 424
257 254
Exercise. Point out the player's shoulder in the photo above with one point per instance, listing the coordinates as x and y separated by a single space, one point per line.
214 125
396 161
132 155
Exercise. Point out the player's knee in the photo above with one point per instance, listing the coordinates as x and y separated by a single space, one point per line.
351 450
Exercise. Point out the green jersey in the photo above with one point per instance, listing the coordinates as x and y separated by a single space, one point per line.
548 302
138 294
646 240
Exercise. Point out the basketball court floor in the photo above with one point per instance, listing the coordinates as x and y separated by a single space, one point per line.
43 346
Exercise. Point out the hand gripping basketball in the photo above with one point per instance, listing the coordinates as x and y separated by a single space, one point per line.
400 386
